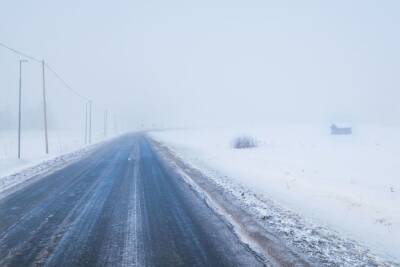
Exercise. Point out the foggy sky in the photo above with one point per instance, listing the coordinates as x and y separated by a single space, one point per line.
190 63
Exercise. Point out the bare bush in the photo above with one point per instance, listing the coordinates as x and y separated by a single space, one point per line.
242 142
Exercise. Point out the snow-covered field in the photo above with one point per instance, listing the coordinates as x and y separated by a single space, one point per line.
32 148
350 184
64 146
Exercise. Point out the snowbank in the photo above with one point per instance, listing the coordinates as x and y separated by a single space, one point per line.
64 147
350 184
32 148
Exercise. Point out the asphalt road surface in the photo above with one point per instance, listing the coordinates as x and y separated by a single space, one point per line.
116 207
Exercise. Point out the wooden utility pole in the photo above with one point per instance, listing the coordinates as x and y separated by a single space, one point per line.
19 106
46 140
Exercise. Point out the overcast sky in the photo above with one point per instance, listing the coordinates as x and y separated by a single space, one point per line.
210 62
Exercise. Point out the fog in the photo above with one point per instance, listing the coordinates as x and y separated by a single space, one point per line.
203 63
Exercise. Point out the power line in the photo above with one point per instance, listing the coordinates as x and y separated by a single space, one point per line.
88 102
20 53
65 83
47 66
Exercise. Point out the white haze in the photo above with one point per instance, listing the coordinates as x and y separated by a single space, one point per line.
204 63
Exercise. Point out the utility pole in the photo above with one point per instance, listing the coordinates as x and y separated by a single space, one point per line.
105 123
46 140
90 121
19 105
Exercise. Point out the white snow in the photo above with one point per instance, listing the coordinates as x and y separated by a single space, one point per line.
350 184
33 149
64 147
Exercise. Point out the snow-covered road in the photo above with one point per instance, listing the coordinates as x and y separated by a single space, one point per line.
118 206
132 202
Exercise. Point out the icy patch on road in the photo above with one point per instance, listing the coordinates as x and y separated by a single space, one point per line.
130 255
11 182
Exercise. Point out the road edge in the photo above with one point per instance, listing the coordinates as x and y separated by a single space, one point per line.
265 244
27 176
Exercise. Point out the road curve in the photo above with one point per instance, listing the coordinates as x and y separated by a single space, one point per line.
116 207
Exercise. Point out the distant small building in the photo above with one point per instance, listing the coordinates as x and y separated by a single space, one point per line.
341 130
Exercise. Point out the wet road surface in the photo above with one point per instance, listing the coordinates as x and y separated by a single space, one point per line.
116 207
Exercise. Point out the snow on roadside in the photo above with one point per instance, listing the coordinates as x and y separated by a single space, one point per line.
49 165
34 162
32 148
348 184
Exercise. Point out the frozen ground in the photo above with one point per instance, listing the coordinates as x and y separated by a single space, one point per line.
32 144
64 146
349 184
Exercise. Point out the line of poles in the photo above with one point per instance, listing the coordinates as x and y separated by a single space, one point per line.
88 103
88 122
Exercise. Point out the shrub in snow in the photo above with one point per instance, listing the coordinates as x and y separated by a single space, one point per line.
244 142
